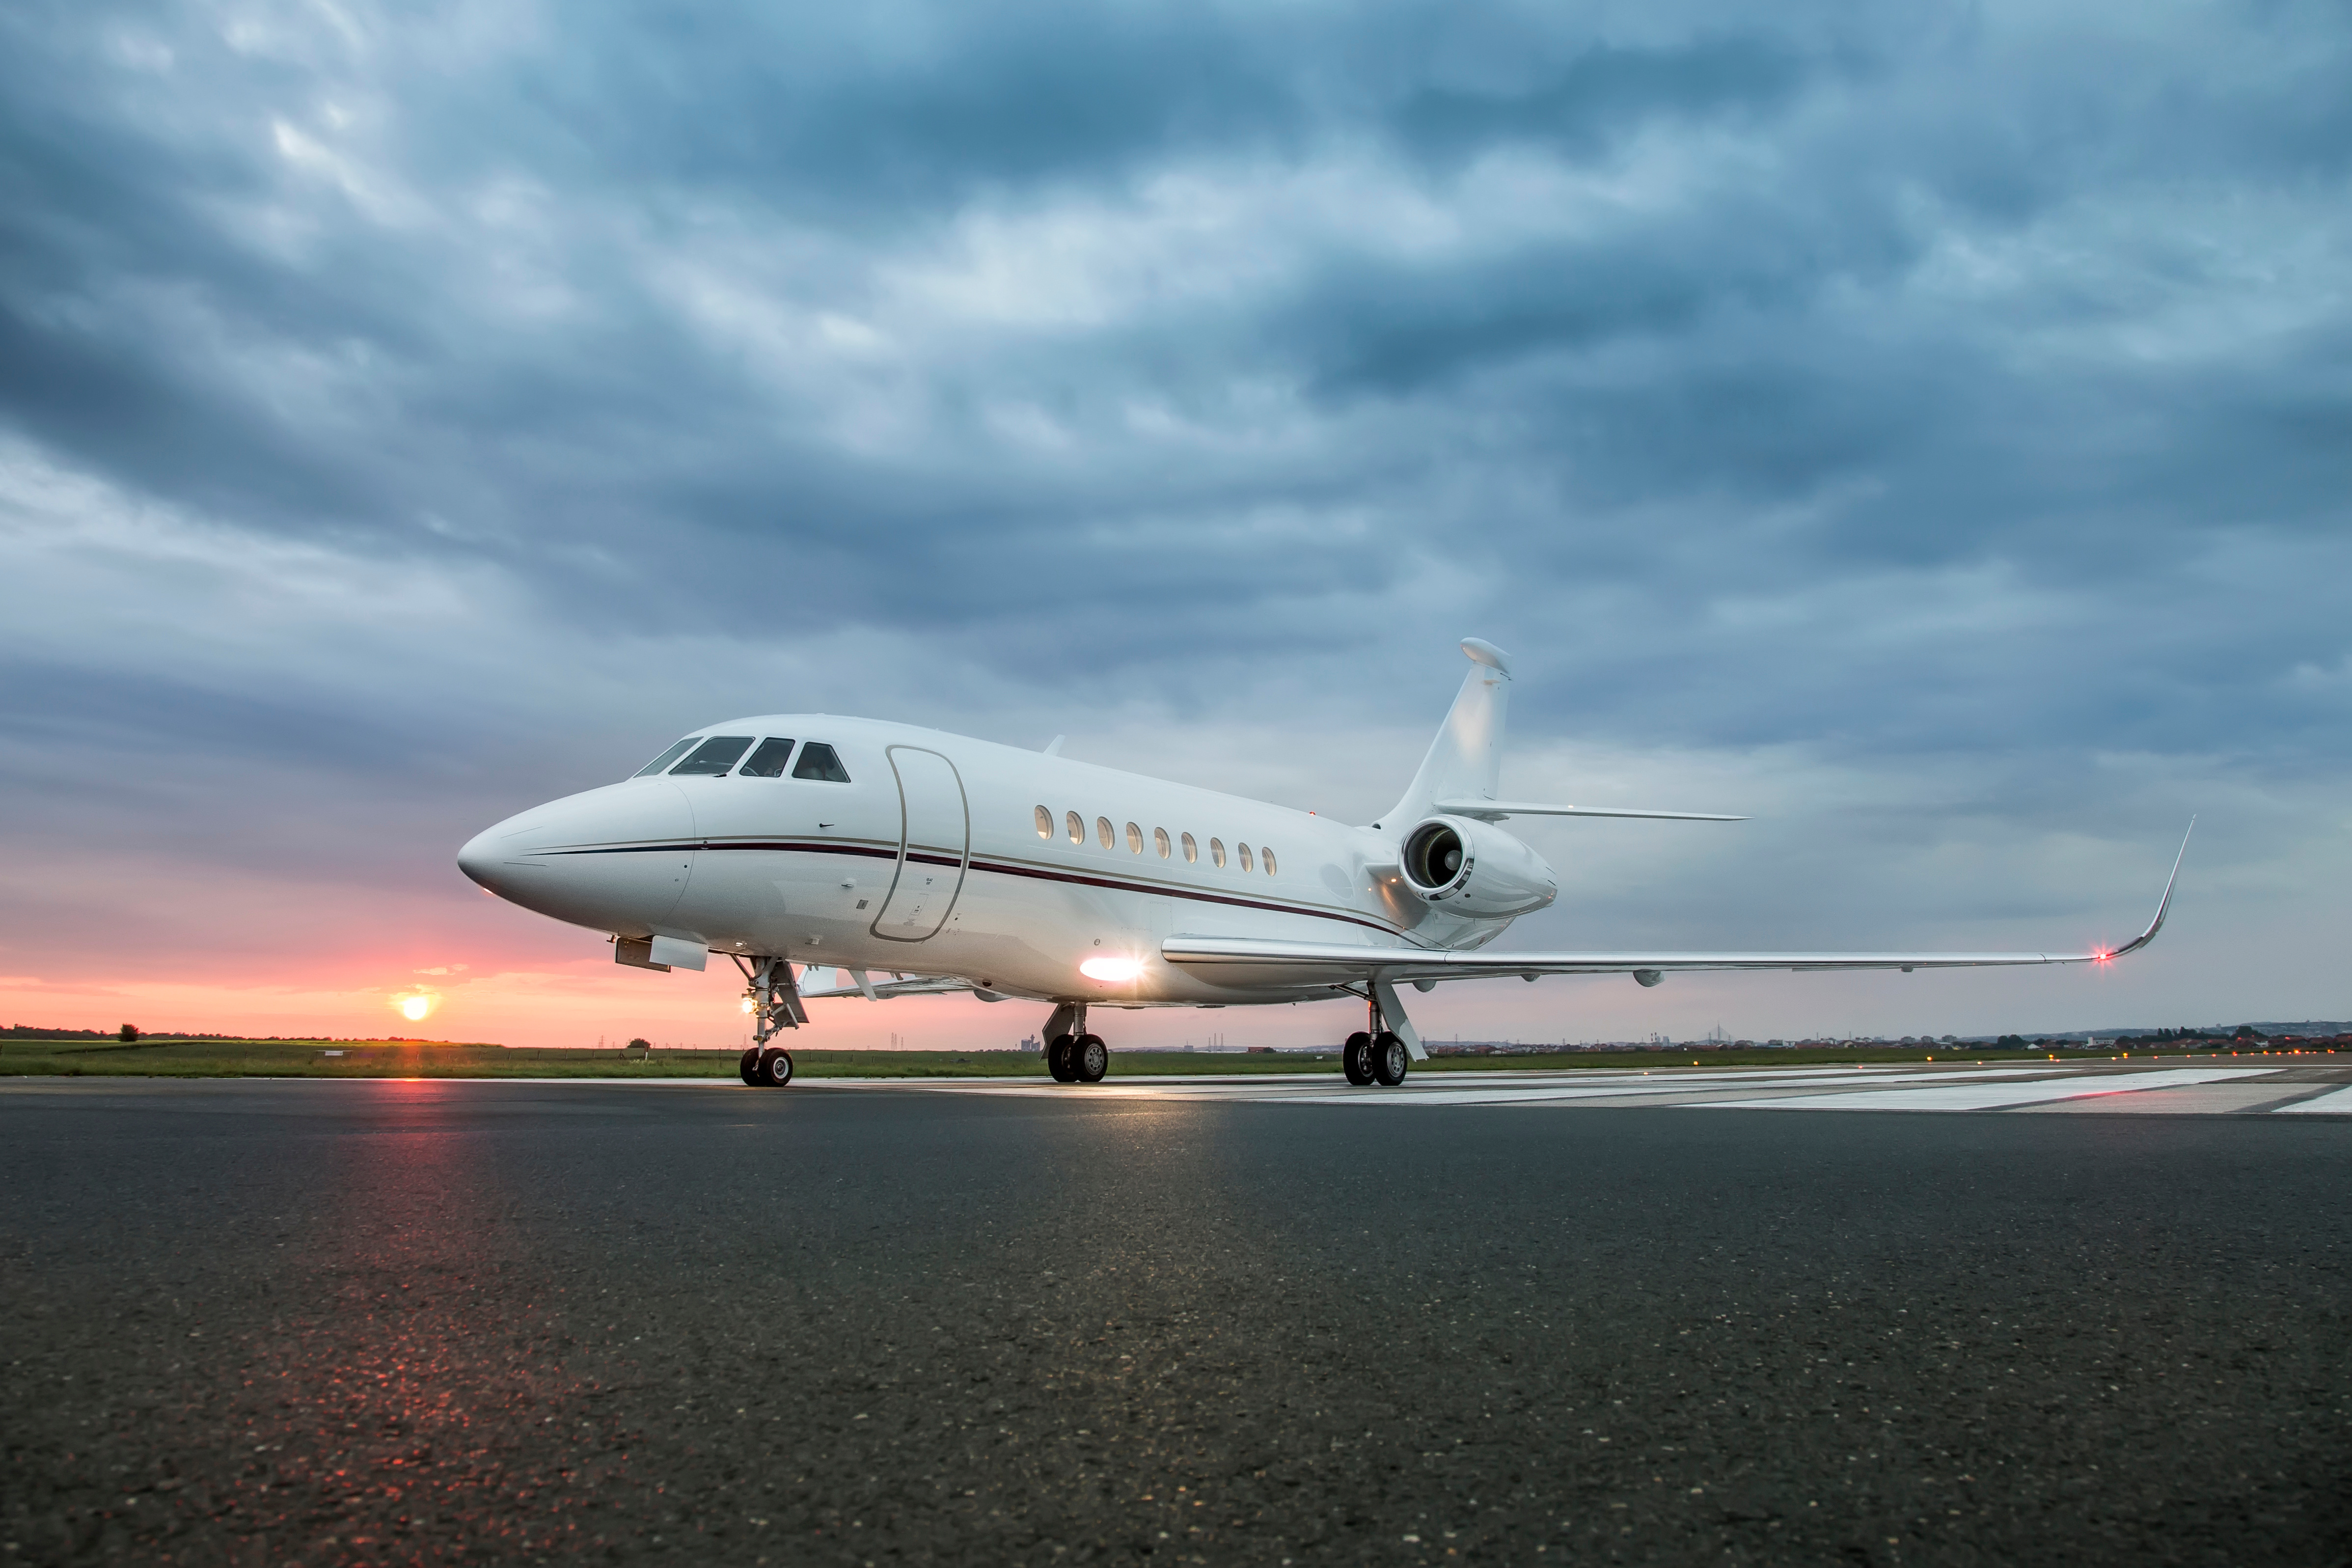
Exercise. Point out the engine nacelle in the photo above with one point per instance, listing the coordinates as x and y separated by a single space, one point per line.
1475 868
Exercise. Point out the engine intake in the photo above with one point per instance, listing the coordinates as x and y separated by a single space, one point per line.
1475 869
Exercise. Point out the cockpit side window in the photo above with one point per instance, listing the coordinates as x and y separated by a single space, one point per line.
767 762
714 756
659 763
818 762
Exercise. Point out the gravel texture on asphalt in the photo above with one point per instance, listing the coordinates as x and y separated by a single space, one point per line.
322 1323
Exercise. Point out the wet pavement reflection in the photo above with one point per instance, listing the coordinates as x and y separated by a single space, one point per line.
364 1323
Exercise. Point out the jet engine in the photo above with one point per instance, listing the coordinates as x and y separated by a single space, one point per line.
1475 869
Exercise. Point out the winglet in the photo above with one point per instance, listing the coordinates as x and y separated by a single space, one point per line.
1481 651
2164 904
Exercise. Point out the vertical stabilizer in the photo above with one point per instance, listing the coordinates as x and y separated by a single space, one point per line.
1465 761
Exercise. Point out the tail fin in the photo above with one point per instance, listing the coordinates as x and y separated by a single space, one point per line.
1465 761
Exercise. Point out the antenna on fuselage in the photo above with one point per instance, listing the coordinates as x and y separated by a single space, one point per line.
1054 746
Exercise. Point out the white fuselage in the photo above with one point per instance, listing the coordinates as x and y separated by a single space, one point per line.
931 861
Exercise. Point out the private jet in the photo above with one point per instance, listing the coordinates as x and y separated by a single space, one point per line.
908 861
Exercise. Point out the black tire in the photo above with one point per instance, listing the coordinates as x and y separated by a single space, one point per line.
1057 1058
775 1067
1089 1059
748 1069
1391 1060
1356 1058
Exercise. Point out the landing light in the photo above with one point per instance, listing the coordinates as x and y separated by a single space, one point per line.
750 1004
1111 971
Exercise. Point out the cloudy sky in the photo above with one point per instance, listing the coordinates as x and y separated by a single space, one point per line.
1927 427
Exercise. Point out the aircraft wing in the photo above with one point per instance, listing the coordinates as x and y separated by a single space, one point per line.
858 982
1497 810
1345 962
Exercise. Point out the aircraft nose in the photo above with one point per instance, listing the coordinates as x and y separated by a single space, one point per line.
480 858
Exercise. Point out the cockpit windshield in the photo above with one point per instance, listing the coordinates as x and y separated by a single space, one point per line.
714 756
818 761
659 763
767 762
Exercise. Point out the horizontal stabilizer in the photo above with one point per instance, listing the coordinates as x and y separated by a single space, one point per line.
1495 810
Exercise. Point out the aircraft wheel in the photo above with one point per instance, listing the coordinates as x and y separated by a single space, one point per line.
1391 1060
748 1069
1057 1058
1356 1058
775 1068
1089 1059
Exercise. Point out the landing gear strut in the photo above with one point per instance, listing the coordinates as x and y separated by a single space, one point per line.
1072 1055
775 1006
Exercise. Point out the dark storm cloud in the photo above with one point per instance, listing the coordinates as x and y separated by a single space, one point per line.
1952 384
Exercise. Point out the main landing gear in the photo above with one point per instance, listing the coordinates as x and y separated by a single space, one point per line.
1378 1054
775 1006
1368 1058
1072 1055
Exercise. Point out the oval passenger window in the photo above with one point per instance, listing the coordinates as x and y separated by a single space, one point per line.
1106 832
1243 850
1267 855
1044 823
1217 852
1134 839
1077 829
1191 851
1160 841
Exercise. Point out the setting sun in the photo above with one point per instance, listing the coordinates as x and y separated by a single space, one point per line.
414 1006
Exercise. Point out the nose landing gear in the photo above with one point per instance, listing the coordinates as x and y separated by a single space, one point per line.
775 1000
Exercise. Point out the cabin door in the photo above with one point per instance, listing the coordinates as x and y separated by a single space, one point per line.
934 846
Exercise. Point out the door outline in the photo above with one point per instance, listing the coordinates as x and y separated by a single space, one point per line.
905 843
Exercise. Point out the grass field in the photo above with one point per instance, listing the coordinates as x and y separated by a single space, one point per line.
413 1058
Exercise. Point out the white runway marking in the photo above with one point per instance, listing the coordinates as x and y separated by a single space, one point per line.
1990 1096
2338 1103
2262 1092
2026 1086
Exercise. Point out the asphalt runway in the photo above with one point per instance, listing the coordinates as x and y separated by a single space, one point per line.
2201 1086
384 1322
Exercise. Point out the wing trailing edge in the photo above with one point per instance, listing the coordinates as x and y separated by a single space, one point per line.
1497 810
1347 961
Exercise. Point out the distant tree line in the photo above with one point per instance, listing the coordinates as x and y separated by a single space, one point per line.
130 1033
2186 1034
